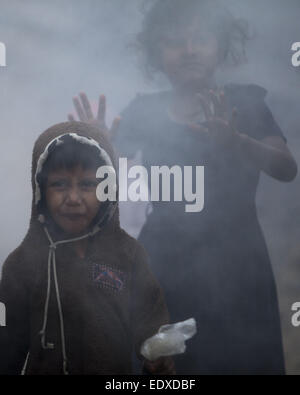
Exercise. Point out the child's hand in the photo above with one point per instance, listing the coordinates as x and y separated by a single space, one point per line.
85 114
220 129
162 366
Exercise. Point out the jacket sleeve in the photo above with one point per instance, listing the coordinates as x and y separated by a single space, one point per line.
14 336
149 310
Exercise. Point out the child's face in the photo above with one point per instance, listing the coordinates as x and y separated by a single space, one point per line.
189 55
71 198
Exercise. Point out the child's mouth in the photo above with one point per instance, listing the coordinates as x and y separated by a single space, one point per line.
73 217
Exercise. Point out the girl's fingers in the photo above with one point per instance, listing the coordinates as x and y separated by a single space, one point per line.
101 110
205 106
217 124
71 118
86 106
85 113
114 127
233 120
220 104
216 103
79 110
223 105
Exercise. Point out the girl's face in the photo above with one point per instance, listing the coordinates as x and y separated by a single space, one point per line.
189 55
71 199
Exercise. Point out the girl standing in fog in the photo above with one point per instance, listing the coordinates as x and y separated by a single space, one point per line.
213 265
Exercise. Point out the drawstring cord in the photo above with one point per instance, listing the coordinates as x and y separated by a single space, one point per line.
43 331
52 259
25 365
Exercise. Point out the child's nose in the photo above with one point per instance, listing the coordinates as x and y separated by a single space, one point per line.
73 196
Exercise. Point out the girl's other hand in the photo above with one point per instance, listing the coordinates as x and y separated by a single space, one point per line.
220 129
85 114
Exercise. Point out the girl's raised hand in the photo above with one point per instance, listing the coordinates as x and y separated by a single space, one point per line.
221 130
85 114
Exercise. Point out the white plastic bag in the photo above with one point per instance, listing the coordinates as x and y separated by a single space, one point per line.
170 340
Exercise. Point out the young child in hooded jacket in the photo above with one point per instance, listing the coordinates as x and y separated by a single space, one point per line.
78 293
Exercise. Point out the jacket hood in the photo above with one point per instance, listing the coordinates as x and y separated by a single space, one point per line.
107 219
57 135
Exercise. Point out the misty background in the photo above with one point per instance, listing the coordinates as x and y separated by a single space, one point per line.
57 48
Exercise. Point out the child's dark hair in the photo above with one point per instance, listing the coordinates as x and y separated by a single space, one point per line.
72 154
68 155
167 15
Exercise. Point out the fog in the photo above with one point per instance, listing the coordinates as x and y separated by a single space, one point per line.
57 48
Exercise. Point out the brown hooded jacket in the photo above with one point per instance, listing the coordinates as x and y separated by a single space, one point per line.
68 315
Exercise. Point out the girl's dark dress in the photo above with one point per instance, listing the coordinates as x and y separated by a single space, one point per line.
213 265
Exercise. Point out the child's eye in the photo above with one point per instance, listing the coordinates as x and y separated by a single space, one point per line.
58 184
88 184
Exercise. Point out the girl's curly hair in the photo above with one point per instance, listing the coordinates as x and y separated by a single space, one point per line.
161 16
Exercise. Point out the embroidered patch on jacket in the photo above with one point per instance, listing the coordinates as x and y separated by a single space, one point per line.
108 277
